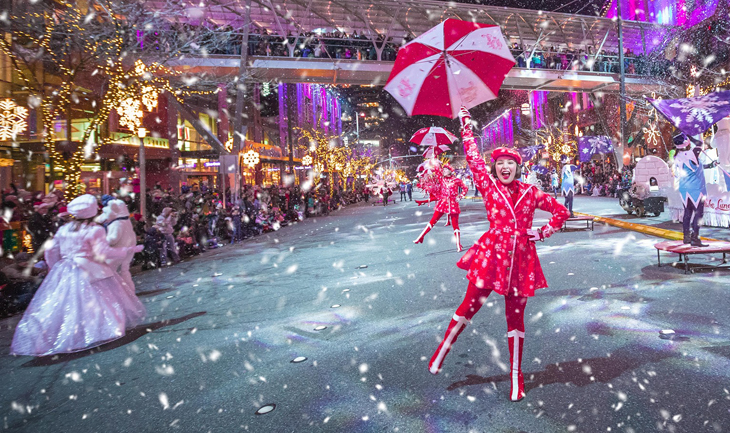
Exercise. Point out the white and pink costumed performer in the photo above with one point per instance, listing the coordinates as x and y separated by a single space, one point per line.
120 233
504 260
82 302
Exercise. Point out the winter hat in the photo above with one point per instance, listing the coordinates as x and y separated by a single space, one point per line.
83 207
681 141
106 198
506 152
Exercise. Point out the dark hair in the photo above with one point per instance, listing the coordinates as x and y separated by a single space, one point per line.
77 223
518 172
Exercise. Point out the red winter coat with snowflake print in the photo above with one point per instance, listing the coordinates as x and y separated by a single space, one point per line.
449 195
504 258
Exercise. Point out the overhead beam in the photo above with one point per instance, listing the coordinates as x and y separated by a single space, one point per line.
200 127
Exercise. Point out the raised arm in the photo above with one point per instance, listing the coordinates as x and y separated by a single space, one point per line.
476 163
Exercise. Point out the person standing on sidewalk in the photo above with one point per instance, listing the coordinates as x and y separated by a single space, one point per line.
568 184
385 192
504 260
166 225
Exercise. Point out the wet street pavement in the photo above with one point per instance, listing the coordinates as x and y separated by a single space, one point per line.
328 325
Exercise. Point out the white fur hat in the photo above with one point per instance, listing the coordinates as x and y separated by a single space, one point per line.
83 207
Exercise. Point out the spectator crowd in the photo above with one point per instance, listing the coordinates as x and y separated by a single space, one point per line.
177 226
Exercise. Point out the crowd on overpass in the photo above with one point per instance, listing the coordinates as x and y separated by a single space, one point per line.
340 45
326 45
586 60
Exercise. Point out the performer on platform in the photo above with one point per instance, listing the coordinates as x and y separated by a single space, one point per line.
692 187
447 192
82 302
567 187
504 260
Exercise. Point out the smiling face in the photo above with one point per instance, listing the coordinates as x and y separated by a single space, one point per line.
506 169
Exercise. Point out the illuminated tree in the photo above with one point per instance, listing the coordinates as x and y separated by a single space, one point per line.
86 53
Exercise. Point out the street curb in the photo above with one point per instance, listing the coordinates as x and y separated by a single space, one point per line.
641 228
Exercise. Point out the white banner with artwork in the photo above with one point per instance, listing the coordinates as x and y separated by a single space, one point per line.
717 206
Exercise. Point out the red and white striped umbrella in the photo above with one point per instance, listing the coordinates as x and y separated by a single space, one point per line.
457 63
432 136
435 151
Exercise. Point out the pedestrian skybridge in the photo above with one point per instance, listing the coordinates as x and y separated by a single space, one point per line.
393 21
354 72
354 42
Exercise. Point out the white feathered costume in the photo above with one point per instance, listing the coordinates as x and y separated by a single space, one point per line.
120 233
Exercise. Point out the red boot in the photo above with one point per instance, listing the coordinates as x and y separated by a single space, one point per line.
457 325
420 202
423 234
517 389
457 235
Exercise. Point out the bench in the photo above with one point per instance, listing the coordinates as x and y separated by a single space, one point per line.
685 250
588 219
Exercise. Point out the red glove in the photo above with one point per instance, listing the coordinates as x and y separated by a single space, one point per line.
465 117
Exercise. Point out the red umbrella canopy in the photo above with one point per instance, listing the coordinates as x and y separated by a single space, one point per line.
457 63
434 151
432 136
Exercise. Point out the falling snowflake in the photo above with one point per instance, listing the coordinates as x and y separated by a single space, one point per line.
12 119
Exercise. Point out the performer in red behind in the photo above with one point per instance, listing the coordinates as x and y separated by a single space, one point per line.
447 195
504 260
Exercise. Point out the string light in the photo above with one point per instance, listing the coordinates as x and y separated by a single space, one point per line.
28 243
141 81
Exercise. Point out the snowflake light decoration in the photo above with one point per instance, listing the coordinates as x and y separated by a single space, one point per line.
130 113
251 158
12 119
307 160
652 134
149 97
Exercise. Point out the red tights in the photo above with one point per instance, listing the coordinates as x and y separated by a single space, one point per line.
476 297
437 215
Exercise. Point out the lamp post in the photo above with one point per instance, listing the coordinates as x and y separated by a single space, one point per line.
347 118
141 134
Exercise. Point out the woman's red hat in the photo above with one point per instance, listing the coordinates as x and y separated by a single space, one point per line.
507 152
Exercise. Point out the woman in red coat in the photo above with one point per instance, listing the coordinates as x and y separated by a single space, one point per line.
504 259
447 196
